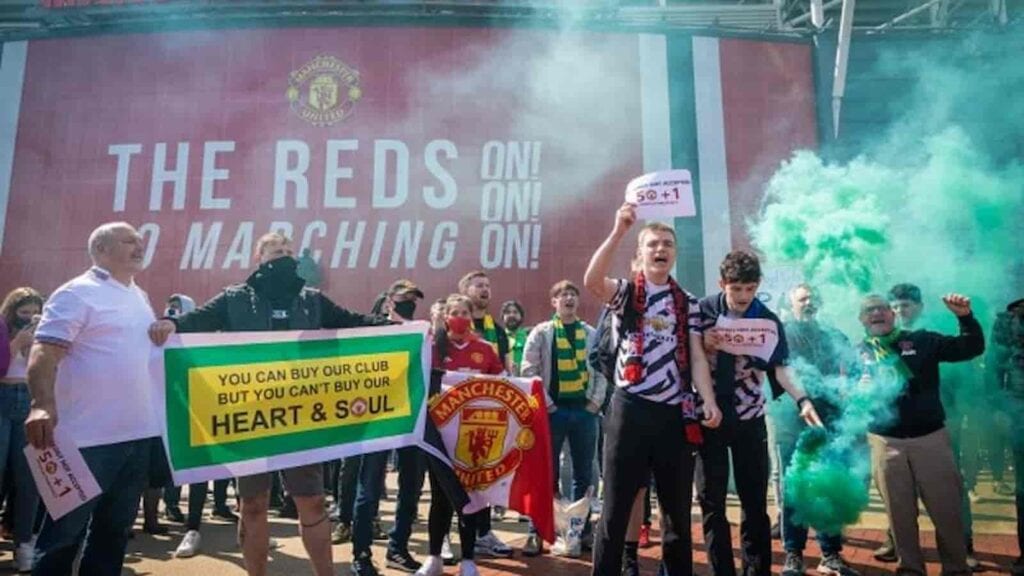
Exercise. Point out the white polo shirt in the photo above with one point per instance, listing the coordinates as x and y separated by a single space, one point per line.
103 389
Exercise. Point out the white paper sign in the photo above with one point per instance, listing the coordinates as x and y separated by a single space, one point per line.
661 195
64 480
756 337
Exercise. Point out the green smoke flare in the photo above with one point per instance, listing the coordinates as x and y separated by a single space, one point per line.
936 201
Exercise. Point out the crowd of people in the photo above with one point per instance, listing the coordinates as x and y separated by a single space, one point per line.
652 398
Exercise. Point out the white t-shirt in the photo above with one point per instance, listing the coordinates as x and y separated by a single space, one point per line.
103 389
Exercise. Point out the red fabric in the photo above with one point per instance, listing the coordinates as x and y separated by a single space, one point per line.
532 490
477 357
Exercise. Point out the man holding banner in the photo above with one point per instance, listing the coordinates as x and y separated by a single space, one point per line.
93 328
652 424
275 298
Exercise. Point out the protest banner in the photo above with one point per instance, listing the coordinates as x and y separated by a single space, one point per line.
61 475
251 402
756 337
662 195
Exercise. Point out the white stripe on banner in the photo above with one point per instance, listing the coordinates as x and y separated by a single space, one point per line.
12 76
716 223
654 109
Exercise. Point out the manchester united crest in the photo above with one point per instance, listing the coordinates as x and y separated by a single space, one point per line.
324 91
482 434
488 412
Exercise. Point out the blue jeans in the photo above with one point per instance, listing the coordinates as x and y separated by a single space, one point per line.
794 536
370 481
411 467
122 471
579 427
14 407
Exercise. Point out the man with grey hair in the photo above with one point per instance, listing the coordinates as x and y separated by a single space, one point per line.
94 328
911 451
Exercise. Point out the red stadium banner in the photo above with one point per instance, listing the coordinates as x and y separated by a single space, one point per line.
386 152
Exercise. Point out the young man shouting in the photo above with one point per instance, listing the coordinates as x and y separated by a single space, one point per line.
653 423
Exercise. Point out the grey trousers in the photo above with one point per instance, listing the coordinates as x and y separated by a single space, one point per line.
908 468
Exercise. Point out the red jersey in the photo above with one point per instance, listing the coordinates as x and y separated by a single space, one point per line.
475 356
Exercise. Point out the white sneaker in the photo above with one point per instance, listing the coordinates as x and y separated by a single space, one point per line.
433 566
562 547
23 556
468 568
490 545
447 556
189 546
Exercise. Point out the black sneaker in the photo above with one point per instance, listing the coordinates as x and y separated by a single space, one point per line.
224 513
794 565
155 528
630 566
173 513
341 534
402 561
887 551
363 566
834 565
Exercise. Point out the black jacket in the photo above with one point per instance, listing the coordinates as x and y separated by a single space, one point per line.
919 408
239 308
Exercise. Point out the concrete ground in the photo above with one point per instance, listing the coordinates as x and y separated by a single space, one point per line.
994 527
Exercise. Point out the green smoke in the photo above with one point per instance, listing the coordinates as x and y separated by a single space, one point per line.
826 481
936 201
833 495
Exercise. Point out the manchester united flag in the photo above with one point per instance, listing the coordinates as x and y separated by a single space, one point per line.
493 444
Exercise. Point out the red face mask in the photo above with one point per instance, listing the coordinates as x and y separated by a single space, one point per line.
457 325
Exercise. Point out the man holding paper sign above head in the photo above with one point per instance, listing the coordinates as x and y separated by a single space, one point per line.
274 297
745 341
653 423
88 373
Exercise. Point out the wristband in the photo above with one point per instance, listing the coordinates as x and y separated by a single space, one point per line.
800 401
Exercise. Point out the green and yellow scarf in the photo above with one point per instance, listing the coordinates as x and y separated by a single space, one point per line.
571 361
490 333
886 354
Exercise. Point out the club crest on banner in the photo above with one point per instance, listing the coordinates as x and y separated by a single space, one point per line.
324 91
482 434
494 420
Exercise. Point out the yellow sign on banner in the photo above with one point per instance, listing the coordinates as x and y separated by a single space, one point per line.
247 401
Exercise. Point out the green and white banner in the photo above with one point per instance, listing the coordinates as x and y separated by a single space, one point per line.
250 402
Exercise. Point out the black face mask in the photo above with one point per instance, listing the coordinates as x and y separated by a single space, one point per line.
405 309
20 322
277 281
